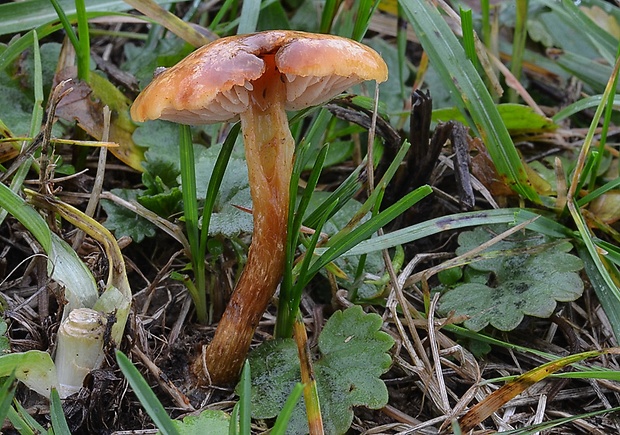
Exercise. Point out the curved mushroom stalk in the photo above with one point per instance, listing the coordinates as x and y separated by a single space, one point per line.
269 150
256 77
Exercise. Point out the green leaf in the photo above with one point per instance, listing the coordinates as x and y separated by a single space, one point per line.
16 115
141 63
166 202
162 160
275 370
161 140
215 422
355 350
519 119
353 356
281 424
34 368
49 59
124 222
160 176
522 275
226 219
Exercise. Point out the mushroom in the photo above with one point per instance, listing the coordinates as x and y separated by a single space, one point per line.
256 77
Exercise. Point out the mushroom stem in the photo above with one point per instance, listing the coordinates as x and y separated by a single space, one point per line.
269 149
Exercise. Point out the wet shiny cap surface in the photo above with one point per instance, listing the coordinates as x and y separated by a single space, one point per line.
214 83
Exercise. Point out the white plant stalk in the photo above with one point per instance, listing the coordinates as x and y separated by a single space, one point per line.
80 348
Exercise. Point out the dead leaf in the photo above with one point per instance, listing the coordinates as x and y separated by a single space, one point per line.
603 19
9 149
607 207
494 401
85 106
483 169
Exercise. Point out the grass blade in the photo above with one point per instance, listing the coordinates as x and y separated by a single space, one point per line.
603 269
147 398
365 230
212 189
216 181
81 45
470 94
22 16
233 428
279 427
327 17
290 314
373 201
581 105
460 220
467 27
59 422
605 279
245 401
23 422
83 48
190 213
601 40
167 19
311 394
548 425
66 24
287 310
249 16
7 392
518 45
365 12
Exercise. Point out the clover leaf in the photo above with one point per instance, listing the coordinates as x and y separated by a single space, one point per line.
525 274
352 357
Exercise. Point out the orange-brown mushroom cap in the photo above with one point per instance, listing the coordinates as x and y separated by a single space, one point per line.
214 83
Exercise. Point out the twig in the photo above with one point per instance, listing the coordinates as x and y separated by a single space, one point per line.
95 194
179 398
